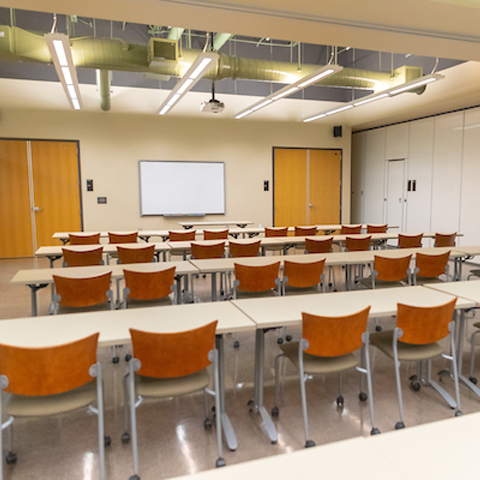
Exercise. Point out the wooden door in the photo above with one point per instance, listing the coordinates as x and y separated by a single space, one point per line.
56 189
325 175
15 221
290 187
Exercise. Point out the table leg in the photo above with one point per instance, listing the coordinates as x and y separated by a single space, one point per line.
178 280
259 365
145 238
33 294
53 258
226 424
462 378
214 286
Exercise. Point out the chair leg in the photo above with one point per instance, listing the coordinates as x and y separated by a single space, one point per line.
340 399
219 412
275 410
133 421
126 407
308 443
455 376
472 356
399 424
437 387
101 422
366 355
11 456
115 357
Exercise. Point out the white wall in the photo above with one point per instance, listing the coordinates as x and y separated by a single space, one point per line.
443 156
112 144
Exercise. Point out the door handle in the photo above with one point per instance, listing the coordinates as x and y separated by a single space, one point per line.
310 205
37 209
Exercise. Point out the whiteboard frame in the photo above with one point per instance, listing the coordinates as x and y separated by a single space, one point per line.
197 214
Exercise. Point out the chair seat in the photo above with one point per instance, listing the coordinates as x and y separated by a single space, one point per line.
428 280
156 302
475 272
367 282
289 290
35 406
267 293
314 364
477 324
170 387
406 351
94 308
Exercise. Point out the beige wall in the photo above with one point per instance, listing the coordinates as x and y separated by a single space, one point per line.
112 144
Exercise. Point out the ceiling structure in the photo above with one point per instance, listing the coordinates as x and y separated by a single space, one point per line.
424 33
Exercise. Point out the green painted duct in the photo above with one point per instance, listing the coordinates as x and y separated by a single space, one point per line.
115 54
175 33
220 40
104 78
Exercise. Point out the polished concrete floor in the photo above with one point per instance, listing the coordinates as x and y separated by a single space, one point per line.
172 439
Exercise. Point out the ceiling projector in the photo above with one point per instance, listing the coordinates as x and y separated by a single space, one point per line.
212 106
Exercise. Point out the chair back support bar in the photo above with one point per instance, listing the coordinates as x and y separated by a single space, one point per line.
48 371
170 355
136 255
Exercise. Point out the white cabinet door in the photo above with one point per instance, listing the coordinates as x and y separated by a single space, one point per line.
358 176
395 193
374 176
470 198
420 171
397 142
447 173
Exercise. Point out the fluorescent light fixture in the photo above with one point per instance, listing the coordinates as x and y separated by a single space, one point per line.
300 84
195 72
59 46
389 92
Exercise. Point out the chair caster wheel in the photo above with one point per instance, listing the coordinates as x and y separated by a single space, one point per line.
363 396
415 386
399 425
128 357
250 402
330 285
220 462
280 340
125 437
473 380
458 413
275 412
236 344
378 328
115 359
11 458
288 338
309 443
340 401
375 431
107 441
207 424
134 477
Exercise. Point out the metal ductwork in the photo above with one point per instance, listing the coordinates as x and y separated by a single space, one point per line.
115 54
104 79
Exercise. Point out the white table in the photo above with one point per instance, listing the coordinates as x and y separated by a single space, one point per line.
270 312
114 327
42 277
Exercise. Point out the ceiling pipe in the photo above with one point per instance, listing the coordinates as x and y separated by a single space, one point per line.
104 78
115 54
220 39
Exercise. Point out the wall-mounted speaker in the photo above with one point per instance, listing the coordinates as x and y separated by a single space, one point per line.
337 131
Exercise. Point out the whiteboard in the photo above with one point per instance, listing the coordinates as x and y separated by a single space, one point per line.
181 188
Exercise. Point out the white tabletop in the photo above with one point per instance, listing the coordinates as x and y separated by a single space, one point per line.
228 264
218 223
466 289
283 311
45 275
114 325
471 250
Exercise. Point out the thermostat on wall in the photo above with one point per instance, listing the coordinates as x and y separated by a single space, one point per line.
101 199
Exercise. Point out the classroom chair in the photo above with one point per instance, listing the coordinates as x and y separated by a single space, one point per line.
72 258
74 239
181 236
377 228
136 255
216 250
428 268
351 229
276 232
355 244
122 237
254 281
305 231
48 381
300 277
149 288
327 346
322 245
445 239
239 250
415 338
409 241
168 365
215 234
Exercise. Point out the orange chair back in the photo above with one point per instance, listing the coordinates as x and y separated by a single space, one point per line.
391 269
431 265
423 325
171 355
256 278
303 275
377 228
350 229
208 251
322 245
149 285
86 258
181 236
305 231
238 250
410 241
50 370
215 234
122 238
136 255
445 240
82 292
353 244
84 239
276 232
334 336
